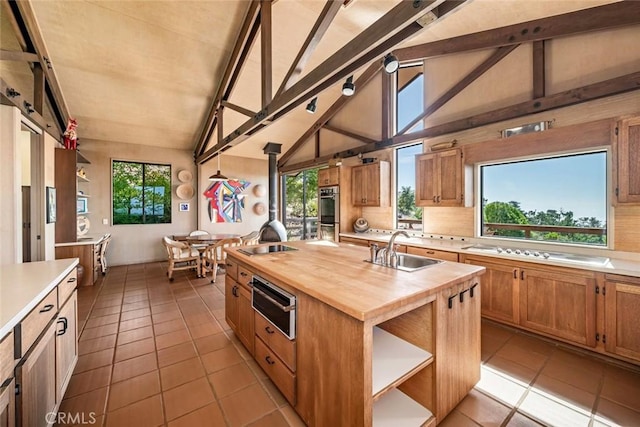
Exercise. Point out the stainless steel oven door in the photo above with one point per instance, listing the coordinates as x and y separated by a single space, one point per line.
329 205
276 305
328 232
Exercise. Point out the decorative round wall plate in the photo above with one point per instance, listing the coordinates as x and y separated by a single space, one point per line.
258 190
259 208
185 176
185 191
83 225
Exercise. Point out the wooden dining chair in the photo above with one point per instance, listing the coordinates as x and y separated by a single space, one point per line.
252 238
200 246
102 255
215 255
181 256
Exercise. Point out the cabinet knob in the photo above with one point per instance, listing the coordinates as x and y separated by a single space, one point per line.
269 330
269 360
46 308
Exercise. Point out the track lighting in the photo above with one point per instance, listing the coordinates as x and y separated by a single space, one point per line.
348 88
218 176
311 107
391 63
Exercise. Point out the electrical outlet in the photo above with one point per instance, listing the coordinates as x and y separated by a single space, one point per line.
105 221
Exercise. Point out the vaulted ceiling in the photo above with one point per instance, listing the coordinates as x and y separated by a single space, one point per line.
146 72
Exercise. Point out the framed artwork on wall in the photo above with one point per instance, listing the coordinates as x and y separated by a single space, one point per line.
51 205
184 207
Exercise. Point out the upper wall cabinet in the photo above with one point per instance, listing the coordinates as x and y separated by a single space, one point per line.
627 174
328 176
370 185
440 179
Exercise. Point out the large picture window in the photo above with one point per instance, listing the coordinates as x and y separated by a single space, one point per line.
555 199
408 215
141 193
300 203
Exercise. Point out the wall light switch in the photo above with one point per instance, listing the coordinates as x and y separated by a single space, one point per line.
105 221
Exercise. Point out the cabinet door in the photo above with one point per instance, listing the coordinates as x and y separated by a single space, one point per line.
357 185
36 379
231 296
426 185
245 319
371 184
627 159
449 172
7 405
500 289
559 303
66 344
622 319
328 176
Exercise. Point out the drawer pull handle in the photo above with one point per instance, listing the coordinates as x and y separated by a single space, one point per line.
269 360
46 308
71 280
243 274
269 330
229 265
65 325
430 252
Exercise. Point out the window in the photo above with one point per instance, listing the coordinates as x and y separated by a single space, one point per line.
141 193
408 215
554 199
300 212
410 97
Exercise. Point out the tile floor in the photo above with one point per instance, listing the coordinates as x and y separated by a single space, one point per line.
159 353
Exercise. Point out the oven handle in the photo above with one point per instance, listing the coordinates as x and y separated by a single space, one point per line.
276 303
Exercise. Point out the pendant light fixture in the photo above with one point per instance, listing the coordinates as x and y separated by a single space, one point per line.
218 176
349 88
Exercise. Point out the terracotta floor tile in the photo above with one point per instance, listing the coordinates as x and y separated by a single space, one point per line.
184 293
169 326
95 360
134 306
565 392
100 331
533 344
102 320
519 420
239 413
97 312
273 392
622 386
134 314
86 403
135 335
88 381
140 322
550 411
482 409
210 415
96 344
205 329
573 374
134 349
212 343
292 417
133 367
166 316
146 413
256 369
198 319
181 373
187 398
136 298
221 359
526 358
177 353
172 338
232 379
274 419
108 302
456 419
611 413
161 308
500 387
512 370
133 390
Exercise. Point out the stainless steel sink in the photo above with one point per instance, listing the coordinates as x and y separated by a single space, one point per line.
408 262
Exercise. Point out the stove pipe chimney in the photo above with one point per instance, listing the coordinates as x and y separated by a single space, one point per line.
273 230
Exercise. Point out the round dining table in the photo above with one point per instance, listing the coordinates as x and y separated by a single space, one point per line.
202 241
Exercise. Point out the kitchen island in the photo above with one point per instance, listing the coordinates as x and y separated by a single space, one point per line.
373 345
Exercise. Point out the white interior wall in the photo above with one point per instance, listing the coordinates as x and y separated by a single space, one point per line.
11 177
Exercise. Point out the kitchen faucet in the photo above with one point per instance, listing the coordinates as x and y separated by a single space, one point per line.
391 251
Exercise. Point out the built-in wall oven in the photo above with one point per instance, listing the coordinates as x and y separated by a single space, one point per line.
329 213
274 304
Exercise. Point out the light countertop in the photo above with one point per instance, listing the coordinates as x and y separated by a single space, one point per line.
23 286
337 275
87 239
615 265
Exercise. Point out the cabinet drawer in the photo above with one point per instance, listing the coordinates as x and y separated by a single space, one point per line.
284 348
231 268
245 276
67 286
277 371
433 253
6 357
35 322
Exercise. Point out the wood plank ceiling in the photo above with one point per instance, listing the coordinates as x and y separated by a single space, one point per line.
150 72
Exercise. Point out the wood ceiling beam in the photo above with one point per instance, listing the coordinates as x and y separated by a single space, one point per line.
539 79
266 52
238 108
336 67
246 36
14 55
319 29
350 134
18 101
497 56
615 86
361 82
595 18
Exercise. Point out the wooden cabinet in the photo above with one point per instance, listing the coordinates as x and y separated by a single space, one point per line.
238 311
627 157
275 354
86 253
66 193
622 317
7 404
328 176
66 344
440 180
36 381
370 184
354 241
433 253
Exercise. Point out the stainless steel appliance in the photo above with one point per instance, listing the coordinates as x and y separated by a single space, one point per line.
274 304
269 249
329 213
